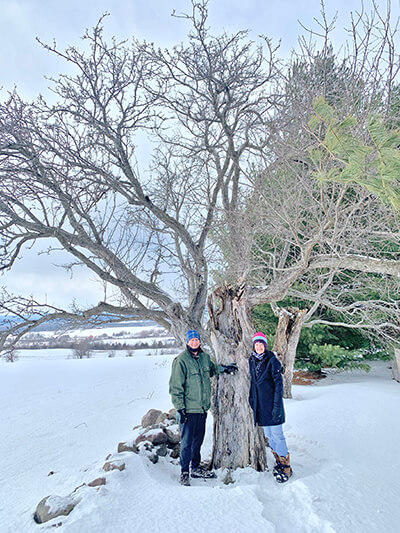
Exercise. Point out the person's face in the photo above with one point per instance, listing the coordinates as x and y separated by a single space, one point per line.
259 347
194 343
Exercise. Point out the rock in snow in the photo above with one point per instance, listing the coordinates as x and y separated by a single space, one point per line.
152 418
125 447
53 506
113 465
97 482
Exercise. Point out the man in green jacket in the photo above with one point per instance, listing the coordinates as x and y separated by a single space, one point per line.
190 390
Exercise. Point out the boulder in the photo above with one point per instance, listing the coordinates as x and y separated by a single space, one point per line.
173 434
153 457
155 436
114 465
97 482
152 418
125 447
52 506
171 415
145 446
162 450
175 452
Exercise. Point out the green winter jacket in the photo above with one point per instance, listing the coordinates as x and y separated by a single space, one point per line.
189 384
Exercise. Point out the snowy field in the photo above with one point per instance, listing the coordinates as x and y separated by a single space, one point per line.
65 416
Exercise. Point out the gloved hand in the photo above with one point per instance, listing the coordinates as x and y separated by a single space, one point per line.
182 416
276 412
230 369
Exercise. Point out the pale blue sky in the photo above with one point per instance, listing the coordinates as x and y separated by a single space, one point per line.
24 62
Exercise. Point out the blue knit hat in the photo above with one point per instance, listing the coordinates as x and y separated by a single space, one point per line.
192 334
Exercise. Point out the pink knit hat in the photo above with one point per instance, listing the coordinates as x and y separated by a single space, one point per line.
260 337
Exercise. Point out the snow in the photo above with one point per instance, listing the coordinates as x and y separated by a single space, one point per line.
62 417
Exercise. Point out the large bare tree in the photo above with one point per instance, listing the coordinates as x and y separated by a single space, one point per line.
70 179
300 215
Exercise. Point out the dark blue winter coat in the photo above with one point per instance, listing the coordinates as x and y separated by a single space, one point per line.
266 390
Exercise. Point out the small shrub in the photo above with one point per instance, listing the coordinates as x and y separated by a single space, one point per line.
333 356
82 349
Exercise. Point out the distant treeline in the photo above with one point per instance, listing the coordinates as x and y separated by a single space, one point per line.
94 344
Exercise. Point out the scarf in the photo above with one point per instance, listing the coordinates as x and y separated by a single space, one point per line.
194 353
258 357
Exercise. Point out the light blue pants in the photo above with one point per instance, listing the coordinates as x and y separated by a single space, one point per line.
276 439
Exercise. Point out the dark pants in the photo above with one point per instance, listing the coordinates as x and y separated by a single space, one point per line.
192 437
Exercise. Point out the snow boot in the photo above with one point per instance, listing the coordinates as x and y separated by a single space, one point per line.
282 470
202 472
276 468
185 479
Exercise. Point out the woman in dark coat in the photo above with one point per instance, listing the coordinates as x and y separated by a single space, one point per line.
266 400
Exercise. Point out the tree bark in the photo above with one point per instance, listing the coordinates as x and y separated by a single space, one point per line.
237 441
285 343
396 365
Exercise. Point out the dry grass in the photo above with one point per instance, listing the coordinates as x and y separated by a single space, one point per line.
305 377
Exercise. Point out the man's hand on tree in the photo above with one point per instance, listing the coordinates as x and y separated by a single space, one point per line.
230 369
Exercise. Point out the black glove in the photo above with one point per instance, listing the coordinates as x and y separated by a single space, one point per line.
230 369
276 413
182 416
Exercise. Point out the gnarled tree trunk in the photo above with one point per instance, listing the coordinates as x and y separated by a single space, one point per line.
237 442
396 365
285 343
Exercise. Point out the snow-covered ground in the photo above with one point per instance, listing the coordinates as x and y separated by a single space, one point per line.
65 416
